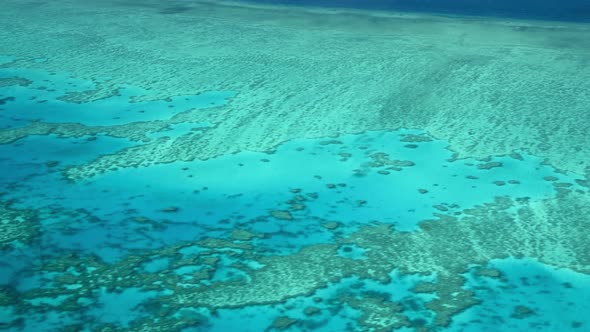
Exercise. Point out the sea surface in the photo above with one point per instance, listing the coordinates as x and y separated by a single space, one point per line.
569 10
326 165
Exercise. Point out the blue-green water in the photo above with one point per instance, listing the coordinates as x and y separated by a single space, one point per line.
110 221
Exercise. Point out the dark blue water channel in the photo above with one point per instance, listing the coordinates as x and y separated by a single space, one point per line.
559 10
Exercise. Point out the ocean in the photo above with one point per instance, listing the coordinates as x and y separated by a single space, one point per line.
569 10
221 166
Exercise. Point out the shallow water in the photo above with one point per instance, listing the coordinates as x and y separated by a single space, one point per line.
198 166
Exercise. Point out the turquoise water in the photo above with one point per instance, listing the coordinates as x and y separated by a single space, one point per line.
125 207
41 100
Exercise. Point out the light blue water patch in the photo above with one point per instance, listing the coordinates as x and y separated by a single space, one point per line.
156 265
120 307
42 100
187 269
191 251
529 296
335 181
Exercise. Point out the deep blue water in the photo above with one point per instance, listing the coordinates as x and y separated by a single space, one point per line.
566 10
